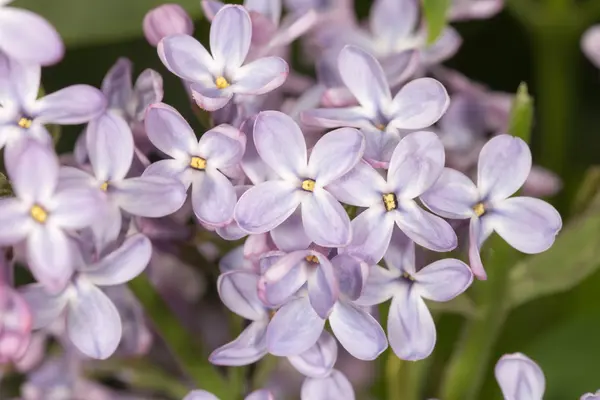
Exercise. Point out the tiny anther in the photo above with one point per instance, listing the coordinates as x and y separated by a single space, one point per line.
25 123
38 214
479 209
308 185
104 187
312 259
408 276
390 201
198 163
381 127
221 82
272 314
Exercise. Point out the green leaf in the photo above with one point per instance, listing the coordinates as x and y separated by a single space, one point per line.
83 22
5 187
521 114
435 15
461 305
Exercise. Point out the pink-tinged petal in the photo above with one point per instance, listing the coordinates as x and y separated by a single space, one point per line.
411 329
70 106
292 27
363 75
361 187
419 104
231 231
357 330
323 287
290 235
15 221
443 280
371 234
380 146
210 98
93 322
172 168
284 277
325 220
475 241
44 306
222 146
445 47
351 273
280 143
400 255
262 394
335 154
238 290
453 195
187 58
318 361
166 20
416 164
266 206
211 8
260 76
230 35
200 395
110 147
393 20
123 264
354 117
75 208
337 97
116 85
149 196
28 37
33 171
474 9
527 224
294 328
590 44
334 387
269 8
424 228
504 165
49 257
542 183
148 89
380 287
520 378
169 131
249 347
213 198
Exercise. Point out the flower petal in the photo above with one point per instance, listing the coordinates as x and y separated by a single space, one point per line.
359 333
290 235
590 44
262 394
44 306
70 106
351 273
117 86
335 154
419 104
238 290
323 288
213 198
443 280
249 347
230 35
400 255
49 257
380 287
260 76
210 98
317 361
453 195
33 172
393 20
504 164
173 169
284 277
76 208
110 147
334 387
150 196
200 395
361 187
355 117
325 220
476 237
520 378
148 90
169 131
371 234
424 228
15 221
222 146
187 58
474 9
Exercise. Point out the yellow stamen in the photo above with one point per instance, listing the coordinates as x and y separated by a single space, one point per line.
308 185
390 201
479 209
406 275
221 82
198 163
25 123
104 186
38 214
381 127
312 259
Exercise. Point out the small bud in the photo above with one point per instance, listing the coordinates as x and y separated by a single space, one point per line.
166 20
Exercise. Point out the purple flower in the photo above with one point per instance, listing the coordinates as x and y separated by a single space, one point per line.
415 165
419 104
527 224
261 394
215 79
590 44
198 164
27 37
411 330
15 324
22 116
462 10
43 215
166 20
281 146
520 378
333 387
591 396
93 322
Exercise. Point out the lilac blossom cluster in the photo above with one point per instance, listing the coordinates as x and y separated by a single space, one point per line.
349 189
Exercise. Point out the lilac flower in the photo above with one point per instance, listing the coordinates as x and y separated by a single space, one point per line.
261 394
591 396
415 165
462 10
198 164
333 387
93 322
520 378
411 330
419 104
15 324
590 44
215 79
527 224
166 20
281 146
27 37
43 215
22 116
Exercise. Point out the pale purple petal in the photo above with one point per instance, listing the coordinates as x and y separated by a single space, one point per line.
474 9
416 164
116 85
335 387
22 82
399 67
44 306
294 328
351 273
269 8
371 234
452 196
443 280
230 35
292 27
150 196
361 187
166 20
33 172
335 154
393 20
200 395
290 235
590 44
419 104
209 97
49 256
211 8
148 90
318 361
93 322
323 287
75 208
520 378
15 221
238 290
260 76
213 198
504 164
380 146
446 46
222 146
169 131
400 255
262 394
325 220
187 58
72 105
527 224
355 117
284 277
253 166
172 168
249 347
411 330
109 144
359 333
380 287
542 183
424 228
475 235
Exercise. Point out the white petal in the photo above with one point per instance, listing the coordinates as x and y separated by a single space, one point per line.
230 34
325 220
213 198
371 234
419 104
249 347
335 154
361 187
424 228
443 280
169 131
520 378
453 195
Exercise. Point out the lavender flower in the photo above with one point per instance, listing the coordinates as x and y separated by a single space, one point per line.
415 166
215 79
520 378
15 324
462 10
166 20
527 224
333 387
590 44
261 394
591 396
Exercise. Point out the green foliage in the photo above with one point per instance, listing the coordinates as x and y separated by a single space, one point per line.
435 15
5 187
521 114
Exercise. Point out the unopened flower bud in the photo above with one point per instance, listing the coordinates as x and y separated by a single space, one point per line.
166 20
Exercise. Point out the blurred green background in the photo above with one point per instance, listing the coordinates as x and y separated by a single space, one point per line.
560 331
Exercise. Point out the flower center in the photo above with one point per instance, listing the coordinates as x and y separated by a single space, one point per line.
308 185
198 163
479 209
312 259
221 82
38 213
380 126
408 276
390 201
104 187
25 122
